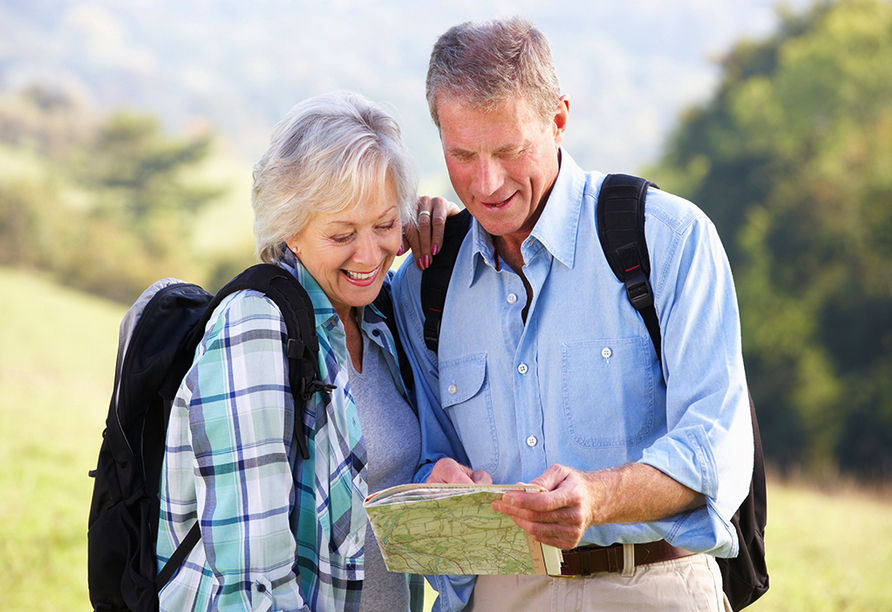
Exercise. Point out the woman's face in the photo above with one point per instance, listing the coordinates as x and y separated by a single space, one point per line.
349 252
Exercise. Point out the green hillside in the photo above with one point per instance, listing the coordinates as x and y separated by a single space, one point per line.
827 551
57 352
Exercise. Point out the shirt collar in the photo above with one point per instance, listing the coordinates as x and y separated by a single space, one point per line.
556 229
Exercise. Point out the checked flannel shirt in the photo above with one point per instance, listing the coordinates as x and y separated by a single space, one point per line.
277 533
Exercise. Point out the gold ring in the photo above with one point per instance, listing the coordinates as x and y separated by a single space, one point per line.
424 212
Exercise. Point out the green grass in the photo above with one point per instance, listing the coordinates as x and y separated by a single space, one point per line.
828 551
57 351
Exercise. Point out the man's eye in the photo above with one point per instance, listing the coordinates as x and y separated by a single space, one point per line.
513 154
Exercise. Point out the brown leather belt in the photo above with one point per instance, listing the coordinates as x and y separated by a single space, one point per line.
588 560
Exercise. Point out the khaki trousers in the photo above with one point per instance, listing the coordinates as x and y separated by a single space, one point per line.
686 584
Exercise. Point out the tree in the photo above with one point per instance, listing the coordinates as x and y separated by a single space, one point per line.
139 173
106 205
792 159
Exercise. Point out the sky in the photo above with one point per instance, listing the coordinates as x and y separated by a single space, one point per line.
630 68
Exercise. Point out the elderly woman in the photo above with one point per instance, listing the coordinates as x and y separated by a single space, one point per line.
330 197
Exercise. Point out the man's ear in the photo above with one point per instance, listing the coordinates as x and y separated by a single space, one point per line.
561 119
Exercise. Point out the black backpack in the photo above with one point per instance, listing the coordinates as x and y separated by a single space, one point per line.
157 346
620 213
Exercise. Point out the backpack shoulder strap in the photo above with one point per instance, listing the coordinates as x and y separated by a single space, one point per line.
620 213
435 279
302 347
178 556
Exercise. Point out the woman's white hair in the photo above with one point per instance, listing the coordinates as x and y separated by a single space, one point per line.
331 152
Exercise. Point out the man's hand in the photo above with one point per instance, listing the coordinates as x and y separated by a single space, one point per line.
426 240
450 471
574 500
557 516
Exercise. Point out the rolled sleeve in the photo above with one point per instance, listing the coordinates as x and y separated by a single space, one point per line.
709 443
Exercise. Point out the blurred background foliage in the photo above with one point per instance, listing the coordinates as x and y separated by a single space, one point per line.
791 157
102 202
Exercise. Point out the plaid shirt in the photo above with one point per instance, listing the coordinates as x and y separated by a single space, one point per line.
277 533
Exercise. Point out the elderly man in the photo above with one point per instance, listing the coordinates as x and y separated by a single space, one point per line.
546 374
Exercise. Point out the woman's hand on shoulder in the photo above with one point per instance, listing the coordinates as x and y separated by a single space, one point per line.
426 240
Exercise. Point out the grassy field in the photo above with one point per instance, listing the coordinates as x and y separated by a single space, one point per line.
828 550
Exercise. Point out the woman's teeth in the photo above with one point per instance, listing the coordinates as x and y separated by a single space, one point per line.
359 275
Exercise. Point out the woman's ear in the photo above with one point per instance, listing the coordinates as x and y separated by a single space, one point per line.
292 245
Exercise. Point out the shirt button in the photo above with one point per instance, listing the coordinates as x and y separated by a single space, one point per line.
606 352
512 298
452 389
522 368
532 441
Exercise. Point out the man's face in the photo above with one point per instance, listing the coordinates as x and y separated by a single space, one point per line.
502 163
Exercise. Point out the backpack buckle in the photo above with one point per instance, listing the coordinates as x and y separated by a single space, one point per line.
639 291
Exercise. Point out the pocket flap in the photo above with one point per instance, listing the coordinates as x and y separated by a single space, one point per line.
461 379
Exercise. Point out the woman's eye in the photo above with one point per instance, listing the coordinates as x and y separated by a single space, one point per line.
387 226
342 238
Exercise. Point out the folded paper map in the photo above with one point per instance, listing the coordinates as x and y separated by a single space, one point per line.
452 529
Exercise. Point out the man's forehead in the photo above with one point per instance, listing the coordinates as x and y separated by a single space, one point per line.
515 105
509 124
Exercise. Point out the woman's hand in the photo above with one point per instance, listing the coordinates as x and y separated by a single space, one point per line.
427 239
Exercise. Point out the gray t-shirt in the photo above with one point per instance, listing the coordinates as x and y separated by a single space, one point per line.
393 445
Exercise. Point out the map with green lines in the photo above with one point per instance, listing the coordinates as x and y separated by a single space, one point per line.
452 529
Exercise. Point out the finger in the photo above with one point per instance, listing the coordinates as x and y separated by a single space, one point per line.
554 534
440 210
449 471
411 241
552 477
535 507
481 477
404 245
558 491
421 246
563 528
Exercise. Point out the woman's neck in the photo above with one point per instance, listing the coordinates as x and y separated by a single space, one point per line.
353 333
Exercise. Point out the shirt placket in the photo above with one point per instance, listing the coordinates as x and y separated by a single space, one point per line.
527 399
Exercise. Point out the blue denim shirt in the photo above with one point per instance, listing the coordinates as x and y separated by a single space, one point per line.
580 383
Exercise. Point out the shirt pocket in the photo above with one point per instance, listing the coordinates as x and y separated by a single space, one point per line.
608 391
466 398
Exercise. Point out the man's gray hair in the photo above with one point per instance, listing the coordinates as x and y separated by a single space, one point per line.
331 152
484 64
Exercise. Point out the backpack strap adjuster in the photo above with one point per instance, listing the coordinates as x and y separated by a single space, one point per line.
640 293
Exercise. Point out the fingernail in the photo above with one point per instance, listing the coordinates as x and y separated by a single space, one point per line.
427 262
418 263
400 252
435 249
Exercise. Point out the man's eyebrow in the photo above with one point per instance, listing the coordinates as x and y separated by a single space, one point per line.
458 151
513 148
508 148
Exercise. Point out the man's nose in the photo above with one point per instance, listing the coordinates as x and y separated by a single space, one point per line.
488 178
